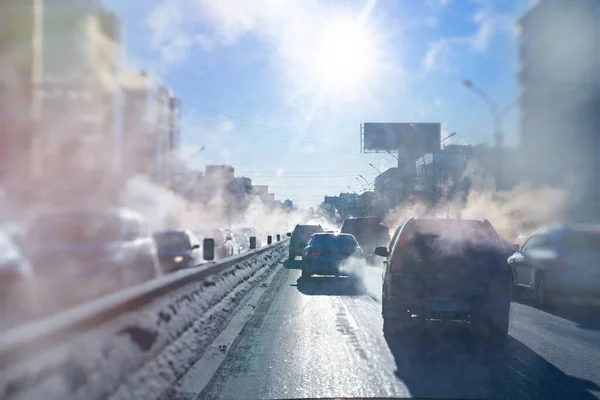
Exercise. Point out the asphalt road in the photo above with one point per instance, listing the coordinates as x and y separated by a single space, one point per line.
323 339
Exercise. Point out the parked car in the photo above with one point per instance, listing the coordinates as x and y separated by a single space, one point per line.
178 250
559 261
446 269
370 232
224 244
81 253
330 253
242 241
249 231
300 237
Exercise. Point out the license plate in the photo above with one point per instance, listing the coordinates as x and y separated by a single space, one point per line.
445 306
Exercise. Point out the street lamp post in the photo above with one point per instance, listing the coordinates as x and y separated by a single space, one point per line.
366 181
433 165
376 169
361 184
498 115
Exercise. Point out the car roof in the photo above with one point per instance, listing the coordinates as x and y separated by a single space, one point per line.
559 229
448 221
332 234
425 224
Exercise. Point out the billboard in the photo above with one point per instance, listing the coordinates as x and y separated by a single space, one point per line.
413 138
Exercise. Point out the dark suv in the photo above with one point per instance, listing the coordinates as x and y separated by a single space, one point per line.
449 270
369 232
300 238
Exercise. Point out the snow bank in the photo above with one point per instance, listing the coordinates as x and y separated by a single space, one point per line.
143 353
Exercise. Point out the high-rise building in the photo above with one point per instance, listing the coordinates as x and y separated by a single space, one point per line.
389 188
260 190
150 128
224 173
59 67
560 95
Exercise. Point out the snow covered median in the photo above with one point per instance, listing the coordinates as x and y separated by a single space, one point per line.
142 353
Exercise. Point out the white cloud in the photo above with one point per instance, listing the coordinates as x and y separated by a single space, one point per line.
306 149
434 51
165 22
485 30
488 24
431 21
205 42
279 172
176 50
437 3
173 31
226 126
295 33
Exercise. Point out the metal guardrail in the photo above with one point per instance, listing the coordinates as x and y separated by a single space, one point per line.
26 340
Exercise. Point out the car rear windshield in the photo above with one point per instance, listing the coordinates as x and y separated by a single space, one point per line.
463 231
172 241
333 241
361 224
307 229
583 241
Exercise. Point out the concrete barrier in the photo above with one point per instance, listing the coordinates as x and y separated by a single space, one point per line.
151 316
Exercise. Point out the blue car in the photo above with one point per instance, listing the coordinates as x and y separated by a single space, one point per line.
332 254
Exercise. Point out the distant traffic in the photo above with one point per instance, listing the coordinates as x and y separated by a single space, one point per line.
64 257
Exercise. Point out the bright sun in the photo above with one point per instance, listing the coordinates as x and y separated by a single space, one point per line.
346 57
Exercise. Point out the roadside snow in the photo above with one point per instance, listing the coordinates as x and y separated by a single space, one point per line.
143 353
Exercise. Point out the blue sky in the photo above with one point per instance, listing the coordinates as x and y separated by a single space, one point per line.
278 89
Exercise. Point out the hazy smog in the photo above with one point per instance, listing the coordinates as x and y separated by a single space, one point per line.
231 199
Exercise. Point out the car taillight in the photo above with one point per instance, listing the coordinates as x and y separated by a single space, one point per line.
315 253
402 241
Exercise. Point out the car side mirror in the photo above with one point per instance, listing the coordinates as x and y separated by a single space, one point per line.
289 234
381 251
195 246
515 247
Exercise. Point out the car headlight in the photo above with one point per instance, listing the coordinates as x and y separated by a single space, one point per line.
178 259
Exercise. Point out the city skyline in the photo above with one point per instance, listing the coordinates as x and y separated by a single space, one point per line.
256 99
